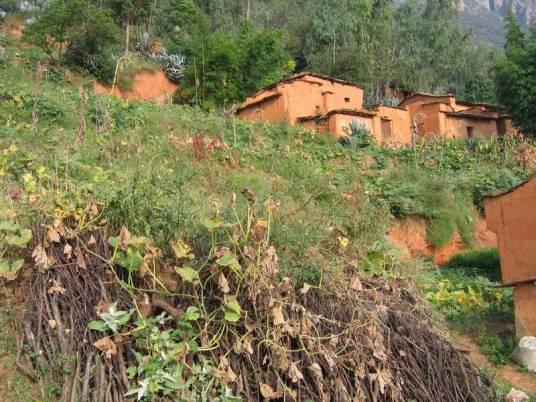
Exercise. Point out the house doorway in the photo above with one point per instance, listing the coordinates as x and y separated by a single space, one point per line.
470 132
386 129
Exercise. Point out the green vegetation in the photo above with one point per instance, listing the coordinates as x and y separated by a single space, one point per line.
484 262
514 75
467 292
196 188
228 49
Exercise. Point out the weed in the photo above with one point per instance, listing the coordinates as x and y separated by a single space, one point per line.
498 348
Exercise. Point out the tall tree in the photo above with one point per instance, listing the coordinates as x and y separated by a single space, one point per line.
129 12
515 76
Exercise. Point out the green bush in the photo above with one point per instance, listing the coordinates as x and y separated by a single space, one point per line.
483 262
82 29
445 204
466 299
498 348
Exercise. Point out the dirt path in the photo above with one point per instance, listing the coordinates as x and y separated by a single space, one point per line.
518 379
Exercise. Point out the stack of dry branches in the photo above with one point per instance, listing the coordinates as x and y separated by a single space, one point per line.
357 339
62 302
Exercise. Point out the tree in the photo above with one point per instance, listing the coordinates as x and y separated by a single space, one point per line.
527 111
83 29
179 22
515 38
128 12
92 44
225 67
515 72
56 25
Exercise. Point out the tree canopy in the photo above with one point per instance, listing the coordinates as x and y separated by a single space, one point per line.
233 47
515 75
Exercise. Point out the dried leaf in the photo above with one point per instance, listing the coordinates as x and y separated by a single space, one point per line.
56 288
40 257
92 240
305 288
384 379
224 371
277 312
295 374
124 236
80 260
53 235
68 250
247 344
267 392
269 263
250 253
223 284
107 346
52 323
356 284
271 205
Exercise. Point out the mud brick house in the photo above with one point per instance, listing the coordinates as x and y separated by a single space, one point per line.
325 104
444 116
511 215
329 104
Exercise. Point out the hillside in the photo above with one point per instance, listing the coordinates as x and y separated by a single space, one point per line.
485 17
173 252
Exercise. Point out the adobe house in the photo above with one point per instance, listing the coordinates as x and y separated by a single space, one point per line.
305 94
326 104
510 215
444 116
329 104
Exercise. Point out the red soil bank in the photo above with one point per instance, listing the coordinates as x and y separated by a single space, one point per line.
146 85
410 235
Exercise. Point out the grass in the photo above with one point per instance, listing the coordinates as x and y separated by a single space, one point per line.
484 262
153 171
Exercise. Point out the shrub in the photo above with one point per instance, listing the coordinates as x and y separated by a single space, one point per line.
484 262
86 30
462 298
445 204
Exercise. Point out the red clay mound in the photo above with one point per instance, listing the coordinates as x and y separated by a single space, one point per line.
146 85
410 235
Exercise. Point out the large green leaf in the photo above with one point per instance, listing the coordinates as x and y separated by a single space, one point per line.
97 325
230 260
214 223
132 260
182 250
191 313
21 240
231 309
8 270
188 274
9 226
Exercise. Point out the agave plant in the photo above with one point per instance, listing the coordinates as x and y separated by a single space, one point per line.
359 136
173 64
